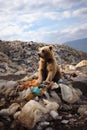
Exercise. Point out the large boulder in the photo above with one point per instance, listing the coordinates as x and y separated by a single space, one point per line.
80 82
33 111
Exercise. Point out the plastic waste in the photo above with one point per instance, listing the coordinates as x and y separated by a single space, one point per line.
28 84
54 86
42 85
34 112
36 90
69 94
23 94
55 96
31 113
30 96
50 105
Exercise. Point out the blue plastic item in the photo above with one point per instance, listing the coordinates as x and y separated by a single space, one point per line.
36 90
42 85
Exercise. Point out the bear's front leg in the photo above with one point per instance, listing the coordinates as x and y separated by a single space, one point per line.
49 76
40 77
41 70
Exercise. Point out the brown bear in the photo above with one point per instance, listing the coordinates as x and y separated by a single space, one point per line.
48 67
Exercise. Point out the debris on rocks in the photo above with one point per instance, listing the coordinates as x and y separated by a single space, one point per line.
82 63
69 94
29 83
64 121
54 114
26 105
82 110
11 110
33 112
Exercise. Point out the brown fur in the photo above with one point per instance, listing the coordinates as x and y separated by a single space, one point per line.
48 67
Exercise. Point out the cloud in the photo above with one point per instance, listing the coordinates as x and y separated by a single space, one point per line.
59 36
40 20
82 12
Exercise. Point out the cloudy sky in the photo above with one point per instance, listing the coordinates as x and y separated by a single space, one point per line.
50 21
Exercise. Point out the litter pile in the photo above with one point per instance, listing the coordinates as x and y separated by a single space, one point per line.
44 101
26 105
68 93
45 106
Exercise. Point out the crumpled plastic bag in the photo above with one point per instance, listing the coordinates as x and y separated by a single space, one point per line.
33 112
28 84
69 94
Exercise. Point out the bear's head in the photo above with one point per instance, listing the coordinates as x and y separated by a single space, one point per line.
46 52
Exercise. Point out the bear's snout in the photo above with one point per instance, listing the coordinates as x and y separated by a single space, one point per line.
39 54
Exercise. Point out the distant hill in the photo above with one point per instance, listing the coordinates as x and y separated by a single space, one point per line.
80 44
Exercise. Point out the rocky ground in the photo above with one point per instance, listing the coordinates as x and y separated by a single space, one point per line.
18 62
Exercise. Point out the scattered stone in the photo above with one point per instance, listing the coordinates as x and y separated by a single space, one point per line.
16 115
2 102
51 105
13 108
49 128
72 67
66 107
59 117
11 84
80 82
25 93
39 127
44 124
4 112
10 111
82 110
55 97
65 121
20 72
54 86
54 114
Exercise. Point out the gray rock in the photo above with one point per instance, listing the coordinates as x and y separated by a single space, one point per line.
65 121
20 72
49 128
82 110
44 124
54 114
16 115
4 112
55 97
10 111
39 127
2 102
81 83
25 93
13 108
59 117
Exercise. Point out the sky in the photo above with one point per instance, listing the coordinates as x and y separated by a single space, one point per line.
48 21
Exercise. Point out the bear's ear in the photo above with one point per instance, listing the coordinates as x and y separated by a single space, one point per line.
50 47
